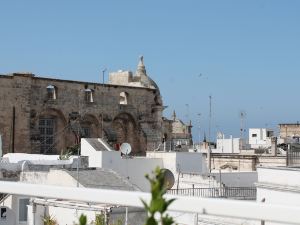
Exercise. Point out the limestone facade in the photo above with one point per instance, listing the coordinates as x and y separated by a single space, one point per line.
42 115
289 130
177 134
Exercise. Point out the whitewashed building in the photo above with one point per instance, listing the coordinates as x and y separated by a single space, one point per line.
260 137
227 145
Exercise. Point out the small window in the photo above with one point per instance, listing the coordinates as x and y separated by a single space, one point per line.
123 98
52 92
254 135
89 95
23 203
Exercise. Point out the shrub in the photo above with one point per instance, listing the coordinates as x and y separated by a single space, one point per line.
158 204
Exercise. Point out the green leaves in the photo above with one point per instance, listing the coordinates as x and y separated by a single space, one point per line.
82 220
158 204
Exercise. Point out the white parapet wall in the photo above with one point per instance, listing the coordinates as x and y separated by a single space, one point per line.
280 213
135 168
182 162
279 185
132 168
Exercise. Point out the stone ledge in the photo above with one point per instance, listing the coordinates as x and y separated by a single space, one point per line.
278 187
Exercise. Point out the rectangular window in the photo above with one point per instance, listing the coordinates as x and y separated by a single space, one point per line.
23 203
254 135
46 128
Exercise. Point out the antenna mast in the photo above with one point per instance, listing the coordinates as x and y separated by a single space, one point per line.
242 128
209 130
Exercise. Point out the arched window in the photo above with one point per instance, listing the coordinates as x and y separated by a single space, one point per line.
52 92
123 98
47 137
89 95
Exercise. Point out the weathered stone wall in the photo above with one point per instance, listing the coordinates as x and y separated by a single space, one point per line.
246 162
289 130
138 122
239 162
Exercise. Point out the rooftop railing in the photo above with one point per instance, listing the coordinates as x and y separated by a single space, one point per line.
246 193
208 206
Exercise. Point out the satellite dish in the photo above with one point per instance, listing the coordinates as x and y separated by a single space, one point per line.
125 148
169 178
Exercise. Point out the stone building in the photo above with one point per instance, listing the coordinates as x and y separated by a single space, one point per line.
177 135
289 130
45 115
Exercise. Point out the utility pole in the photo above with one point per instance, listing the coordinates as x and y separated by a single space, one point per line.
209 138
187 113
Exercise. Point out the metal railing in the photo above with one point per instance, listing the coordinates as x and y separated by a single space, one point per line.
248 193
293 155
208 206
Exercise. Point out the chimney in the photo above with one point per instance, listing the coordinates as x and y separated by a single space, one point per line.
274 146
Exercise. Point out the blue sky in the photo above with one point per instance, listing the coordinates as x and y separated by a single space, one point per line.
246 54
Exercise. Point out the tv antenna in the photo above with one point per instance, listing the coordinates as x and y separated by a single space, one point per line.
125 149
209 138
242 115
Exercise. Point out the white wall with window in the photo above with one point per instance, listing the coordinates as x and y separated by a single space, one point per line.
19 207
260 137
227 145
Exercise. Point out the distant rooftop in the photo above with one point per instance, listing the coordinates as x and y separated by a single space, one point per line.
102 179
297 123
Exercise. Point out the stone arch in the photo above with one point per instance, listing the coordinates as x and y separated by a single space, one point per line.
52 128
90 126
127 130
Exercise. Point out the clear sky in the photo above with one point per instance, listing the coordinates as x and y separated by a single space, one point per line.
246 54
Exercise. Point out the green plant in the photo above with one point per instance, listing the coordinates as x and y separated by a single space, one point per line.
64 156
82 220
158 204
71 150
49 220
99 220
118 222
